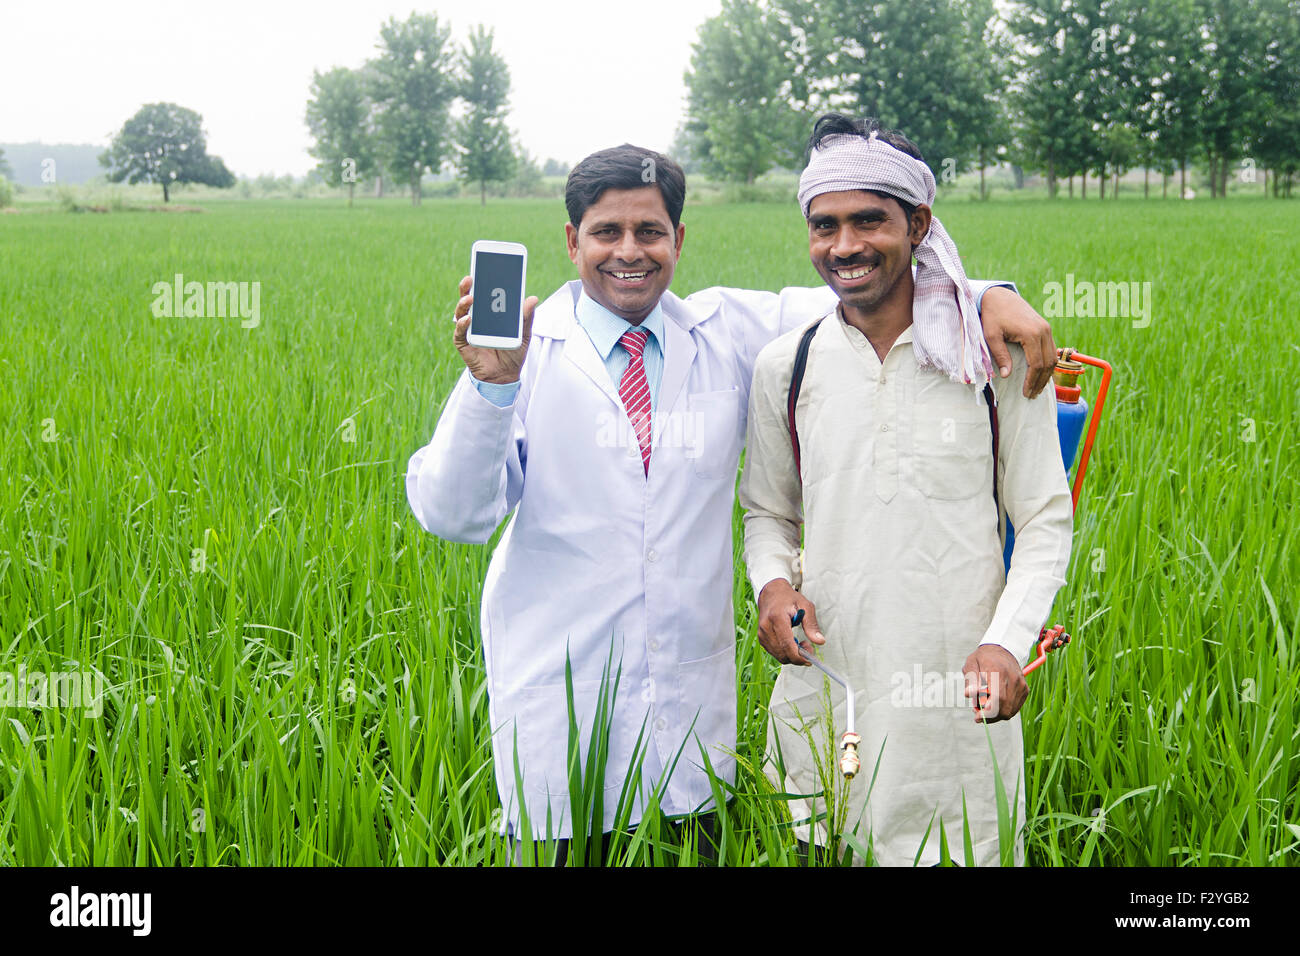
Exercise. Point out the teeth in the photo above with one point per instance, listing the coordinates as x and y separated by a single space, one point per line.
630 275
854 273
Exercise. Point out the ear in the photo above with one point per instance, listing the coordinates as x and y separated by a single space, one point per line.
919 225
681 237
571 238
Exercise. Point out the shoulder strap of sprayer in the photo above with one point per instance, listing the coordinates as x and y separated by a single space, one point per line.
796 383
992 403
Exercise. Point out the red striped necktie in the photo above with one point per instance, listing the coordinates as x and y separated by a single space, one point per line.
635 391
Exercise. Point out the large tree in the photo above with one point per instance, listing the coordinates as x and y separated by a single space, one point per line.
1182 81
1277 140
1050 69
483 138
338 116
1146 63
412 88
164 143
740 120
1235 105
990 126
922 66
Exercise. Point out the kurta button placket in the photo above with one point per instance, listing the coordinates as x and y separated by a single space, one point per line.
884 405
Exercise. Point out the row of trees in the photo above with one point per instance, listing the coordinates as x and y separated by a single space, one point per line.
1068 87
392 115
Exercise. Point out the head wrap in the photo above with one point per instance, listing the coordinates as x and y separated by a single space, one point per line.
947 334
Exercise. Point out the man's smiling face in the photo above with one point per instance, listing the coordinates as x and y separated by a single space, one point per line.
625 249
861 244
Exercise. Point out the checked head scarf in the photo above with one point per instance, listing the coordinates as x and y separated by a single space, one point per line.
947 334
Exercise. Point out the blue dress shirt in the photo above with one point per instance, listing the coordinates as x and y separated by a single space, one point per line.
604 328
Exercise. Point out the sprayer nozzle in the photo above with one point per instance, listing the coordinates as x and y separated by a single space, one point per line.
849 763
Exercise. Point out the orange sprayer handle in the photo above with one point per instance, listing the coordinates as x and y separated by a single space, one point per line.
1049 639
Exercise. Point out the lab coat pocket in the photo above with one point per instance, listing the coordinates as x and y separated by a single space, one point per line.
542 719
709 710
952 449
711 433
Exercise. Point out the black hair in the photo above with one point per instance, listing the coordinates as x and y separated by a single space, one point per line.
837 124
624 167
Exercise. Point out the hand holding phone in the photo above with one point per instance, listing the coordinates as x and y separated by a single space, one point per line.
498 366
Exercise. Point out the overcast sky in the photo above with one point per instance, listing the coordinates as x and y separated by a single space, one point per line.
585 74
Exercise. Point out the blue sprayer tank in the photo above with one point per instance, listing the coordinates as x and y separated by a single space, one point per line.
1071 416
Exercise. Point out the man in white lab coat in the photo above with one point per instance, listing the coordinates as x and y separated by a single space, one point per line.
893 485
615 445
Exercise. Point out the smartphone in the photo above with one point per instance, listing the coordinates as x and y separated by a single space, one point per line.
496 319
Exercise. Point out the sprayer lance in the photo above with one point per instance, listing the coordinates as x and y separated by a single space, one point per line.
849 762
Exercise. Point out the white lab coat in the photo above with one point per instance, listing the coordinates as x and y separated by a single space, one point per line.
601 560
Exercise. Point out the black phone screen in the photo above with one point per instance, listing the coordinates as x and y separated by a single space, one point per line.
498 294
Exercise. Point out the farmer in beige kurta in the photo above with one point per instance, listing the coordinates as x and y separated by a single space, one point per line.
902 566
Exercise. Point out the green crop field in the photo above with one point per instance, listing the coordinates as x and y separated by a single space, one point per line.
213 518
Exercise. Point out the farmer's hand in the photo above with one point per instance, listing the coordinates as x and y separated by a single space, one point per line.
995 682
1007 317
498 366
777 603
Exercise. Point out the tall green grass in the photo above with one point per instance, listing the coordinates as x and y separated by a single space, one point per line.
308 687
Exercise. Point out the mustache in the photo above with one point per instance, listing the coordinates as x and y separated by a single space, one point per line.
849 263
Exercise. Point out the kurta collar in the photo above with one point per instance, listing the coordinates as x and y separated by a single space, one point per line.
853 333
604 328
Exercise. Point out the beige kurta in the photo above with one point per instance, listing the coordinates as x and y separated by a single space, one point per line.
902 560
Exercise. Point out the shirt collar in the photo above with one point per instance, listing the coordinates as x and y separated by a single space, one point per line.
604 328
